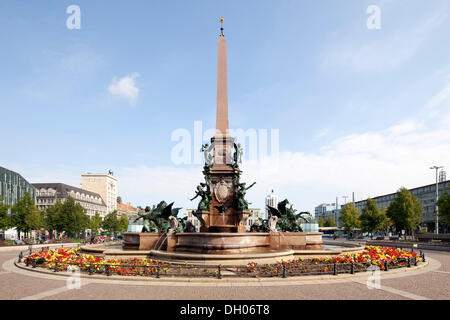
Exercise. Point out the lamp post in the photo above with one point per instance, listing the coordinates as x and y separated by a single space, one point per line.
437 197
345 199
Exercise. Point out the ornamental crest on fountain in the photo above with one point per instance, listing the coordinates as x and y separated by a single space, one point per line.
222 190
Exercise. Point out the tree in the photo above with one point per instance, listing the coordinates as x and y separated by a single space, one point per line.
53 220
95 223
321 222
123 224
349 217
73 217
371 217
330 222
24 214
5 220
111 223
405 211
386 221
68 216
444 206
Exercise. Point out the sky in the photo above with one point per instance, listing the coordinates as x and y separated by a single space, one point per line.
356 109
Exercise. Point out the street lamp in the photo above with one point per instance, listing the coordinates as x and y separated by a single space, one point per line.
437 197
345 199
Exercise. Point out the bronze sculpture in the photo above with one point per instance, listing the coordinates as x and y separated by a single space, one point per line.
205 196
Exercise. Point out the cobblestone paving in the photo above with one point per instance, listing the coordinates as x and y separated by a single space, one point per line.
21 284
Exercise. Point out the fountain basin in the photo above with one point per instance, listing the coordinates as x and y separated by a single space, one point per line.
141 240
248 242
223 242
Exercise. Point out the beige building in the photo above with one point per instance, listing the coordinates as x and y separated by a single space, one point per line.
48 193
105 184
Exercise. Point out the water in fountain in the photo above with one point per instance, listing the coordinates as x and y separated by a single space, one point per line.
158 244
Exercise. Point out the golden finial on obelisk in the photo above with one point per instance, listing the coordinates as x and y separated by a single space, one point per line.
221 26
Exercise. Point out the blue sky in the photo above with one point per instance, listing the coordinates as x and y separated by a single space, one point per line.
358 110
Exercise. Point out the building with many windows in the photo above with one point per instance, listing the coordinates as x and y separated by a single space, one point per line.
103 184
425 194
127 210
271 200
48 193
327 210
13 186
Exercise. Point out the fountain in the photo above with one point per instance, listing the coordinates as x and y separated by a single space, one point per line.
222 209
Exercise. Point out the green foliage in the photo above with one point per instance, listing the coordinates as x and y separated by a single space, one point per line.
444 207
111 223
53 218
123 224
24 215
5 220
405 210
68 216
95 223
288 219
349 217
321 222
372 218
329 222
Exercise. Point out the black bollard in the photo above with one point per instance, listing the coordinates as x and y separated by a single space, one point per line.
34 263
284 271
219 273
27 262
409 262
91 269
158 271
335 269
56 266
385 265
423 256
415 261
108 272
20 257
352 268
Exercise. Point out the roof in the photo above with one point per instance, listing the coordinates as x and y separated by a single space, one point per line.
64 189
124 206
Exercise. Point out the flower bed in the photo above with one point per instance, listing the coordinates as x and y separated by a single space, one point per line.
60 259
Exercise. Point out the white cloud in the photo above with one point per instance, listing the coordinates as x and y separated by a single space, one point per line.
368 163
125 88
439 98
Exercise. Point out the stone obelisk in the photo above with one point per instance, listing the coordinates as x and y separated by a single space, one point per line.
223 175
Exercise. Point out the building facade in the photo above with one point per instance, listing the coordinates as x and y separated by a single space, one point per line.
127 210
327 210
425 194
13 186
47 194
103 184
271 200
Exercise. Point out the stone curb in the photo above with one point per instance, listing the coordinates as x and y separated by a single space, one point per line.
279 280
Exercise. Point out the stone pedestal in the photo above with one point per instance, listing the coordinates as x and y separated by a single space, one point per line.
142 241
